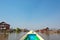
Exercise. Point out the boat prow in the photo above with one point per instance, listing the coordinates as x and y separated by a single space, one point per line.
31 36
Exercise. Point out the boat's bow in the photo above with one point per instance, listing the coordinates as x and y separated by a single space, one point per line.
31 36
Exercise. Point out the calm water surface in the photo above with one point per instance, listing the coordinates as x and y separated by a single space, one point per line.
17 36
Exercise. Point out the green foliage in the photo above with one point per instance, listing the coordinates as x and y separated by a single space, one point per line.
18 29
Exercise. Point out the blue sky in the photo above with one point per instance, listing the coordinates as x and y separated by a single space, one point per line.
30 14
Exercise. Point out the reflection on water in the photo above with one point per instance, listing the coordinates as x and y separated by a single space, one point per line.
15 36
51 36
3 36
47 36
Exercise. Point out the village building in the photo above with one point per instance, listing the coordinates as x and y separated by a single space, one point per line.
4 26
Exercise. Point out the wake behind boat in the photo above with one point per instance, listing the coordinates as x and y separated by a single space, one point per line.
31 36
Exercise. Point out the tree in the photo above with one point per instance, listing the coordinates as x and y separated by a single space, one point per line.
18 29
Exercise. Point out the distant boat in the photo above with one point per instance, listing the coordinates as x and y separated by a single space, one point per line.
31 36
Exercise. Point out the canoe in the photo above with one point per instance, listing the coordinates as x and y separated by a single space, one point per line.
31 36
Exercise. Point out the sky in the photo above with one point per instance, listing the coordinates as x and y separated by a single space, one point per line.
30 14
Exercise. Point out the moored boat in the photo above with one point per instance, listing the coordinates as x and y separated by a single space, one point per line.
31 36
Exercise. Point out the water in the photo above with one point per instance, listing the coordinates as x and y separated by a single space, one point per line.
17 36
